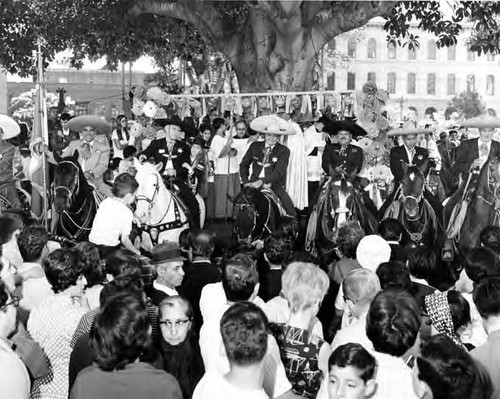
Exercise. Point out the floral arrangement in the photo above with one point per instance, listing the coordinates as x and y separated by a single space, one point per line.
382 174
371 102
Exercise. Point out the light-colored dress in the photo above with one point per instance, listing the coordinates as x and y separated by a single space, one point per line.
296 174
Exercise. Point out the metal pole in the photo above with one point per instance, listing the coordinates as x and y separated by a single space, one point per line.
45 133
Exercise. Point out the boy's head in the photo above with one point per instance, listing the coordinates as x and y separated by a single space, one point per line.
125 187
240 278
487 299
129 152
244 333
351 372
32 243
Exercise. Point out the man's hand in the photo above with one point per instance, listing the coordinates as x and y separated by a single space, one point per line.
170 172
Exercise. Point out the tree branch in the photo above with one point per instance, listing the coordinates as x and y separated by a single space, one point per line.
347 16
311 10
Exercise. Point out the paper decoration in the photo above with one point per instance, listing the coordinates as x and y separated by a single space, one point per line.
149 109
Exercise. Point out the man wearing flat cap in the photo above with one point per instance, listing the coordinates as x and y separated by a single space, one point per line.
473 154
170 152
342 158
169 267
269 159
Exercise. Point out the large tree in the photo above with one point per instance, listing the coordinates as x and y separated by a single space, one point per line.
271 44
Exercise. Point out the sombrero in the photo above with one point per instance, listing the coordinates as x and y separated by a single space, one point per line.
79 122
272 124
333 128
408 128
484 121
9 126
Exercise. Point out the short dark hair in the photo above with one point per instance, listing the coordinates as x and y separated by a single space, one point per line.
481 263
278 247
394 275
120 333
217 123
459 309
129 151
124 184
4 293
31 242
123 263
446 368
356 356
239 278
393 322
93 268
422 263
120 284
390 229
244 329
9 223
490 237
202 243
486 296
62 268
348 237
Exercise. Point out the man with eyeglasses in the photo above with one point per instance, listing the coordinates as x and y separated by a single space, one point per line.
14 378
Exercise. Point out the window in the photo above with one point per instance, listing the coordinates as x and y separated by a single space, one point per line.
351 48
391 51
351 81
490 57
412 54
431 50
431 83
470 55
391 82
330 81
471 83
490 85
452 53
372 48
372 77
451 84
411 83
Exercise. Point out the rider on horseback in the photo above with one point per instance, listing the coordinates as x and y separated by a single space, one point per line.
8 129
269 159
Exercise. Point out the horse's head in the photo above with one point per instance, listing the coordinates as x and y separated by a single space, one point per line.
245 213
412 189
68 178
148 193
340 191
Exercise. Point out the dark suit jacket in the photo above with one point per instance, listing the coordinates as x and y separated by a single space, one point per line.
275 172
156 296
352 161
399 156
468 151
158 151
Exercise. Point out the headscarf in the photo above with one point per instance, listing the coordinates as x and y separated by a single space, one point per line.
439 313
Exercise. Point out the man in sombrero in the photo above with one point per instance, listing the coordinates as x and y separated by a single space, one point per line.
269 159
8 129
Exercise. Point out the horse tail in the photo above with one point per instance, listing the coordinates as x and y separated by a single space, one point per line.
312 228
457 219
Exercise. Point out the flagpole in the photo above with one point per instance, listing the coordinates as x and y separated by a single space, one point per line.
44 129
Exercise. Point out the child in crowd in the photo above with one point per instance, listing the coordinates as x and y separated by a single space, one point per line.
352 373
113 220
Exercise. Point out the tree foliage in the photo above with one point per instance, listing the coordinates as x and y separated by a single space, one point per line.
468 104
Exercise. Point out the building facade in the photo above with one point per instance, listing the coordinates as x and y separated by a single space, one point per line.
422 78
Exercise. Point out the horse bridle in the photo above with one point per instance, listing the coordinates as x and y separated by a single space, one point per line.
151 200
75 187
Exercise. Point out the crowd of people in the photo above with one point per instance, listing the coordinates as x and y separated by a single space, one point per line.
206 318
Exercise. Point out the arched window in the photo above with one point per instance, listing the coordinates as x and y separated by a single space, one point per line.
471 83
490 85
372 77
451 89
391 82
391 51
351 47
330 81
412 53
372 48
431 83
351 81
452 53
411 83
431 50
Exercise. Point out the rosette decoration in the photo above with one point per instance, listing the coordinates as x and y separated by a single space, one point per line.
382 174
365 144
149 109
137 107
136 129
154 93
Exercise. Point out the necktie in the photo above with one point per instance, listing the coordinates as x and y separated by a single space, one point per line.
412 155
264 161
483 151
87 151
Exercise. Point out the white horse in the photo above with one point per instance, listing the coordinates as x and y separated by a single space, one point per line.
159 212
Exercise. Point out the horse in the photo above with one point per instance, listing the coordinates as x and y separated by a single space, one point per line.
420 218
75 205
257 215
474 206
339 201
161 215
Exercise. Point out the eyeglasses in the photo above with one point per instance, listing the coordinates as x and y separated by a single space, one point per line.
15 301
177 323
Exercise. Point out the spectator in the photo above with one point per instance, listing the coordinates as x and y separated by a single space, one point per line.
169 262
32 243
304 355
10 226
392 231
394 274
178 344
490 238
244 333
121 342
348 237
200 271
53 322
93 271
423 269
392 325
14 379
352 373
359 288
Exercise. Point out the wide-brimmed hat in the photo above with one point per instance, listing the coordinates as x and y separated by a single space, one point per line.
79 122
333 128
484 121
373 250
272 124
9 126
167 252
409 128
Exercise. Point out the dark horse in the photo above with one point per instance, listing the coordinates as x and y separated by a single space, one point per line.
338 202
257 215
74 201
420 218
474 206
